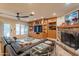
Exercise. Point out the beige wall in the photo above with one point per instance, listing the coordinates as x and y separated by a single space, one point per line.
60 20
0 38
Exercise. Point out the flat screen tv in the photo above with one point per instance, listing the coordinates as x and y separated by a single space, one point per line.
72 17
38 28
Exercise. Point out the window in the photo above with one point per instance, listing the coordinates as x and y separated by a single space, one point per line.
7 30
17 29
22 29
26 29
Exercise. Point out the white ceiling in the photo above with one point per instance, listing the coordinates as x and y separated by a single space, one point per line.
40 9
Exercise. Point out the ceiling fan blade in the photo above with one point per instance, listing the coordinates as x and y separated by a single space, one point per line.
23 16
18 16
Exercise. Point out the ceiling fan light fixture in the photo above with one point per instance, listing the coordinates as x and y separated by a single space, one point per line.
32 13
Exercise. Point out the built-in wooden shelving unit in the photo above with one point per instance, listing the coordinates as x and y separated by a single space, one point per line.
48 28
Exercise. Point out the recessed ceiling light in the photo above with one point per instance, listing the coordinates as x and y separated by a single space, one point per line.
32 13
42 17
34 18
54 14
68 3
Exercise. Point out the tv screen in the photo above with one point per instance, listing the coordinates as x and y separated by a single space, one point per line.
72 17
38 28
35 28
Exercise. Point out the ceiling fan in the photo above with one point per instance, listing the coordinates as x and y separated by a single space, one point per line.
18 15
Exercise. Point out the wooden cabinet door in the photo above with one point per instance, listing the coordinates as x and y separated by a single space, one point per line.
52 34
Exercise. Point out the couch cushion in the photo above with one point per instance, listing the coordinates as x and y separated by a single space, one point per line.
16 46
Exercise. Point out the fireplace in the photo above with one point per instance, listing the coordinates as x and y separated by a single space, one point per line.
70 39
